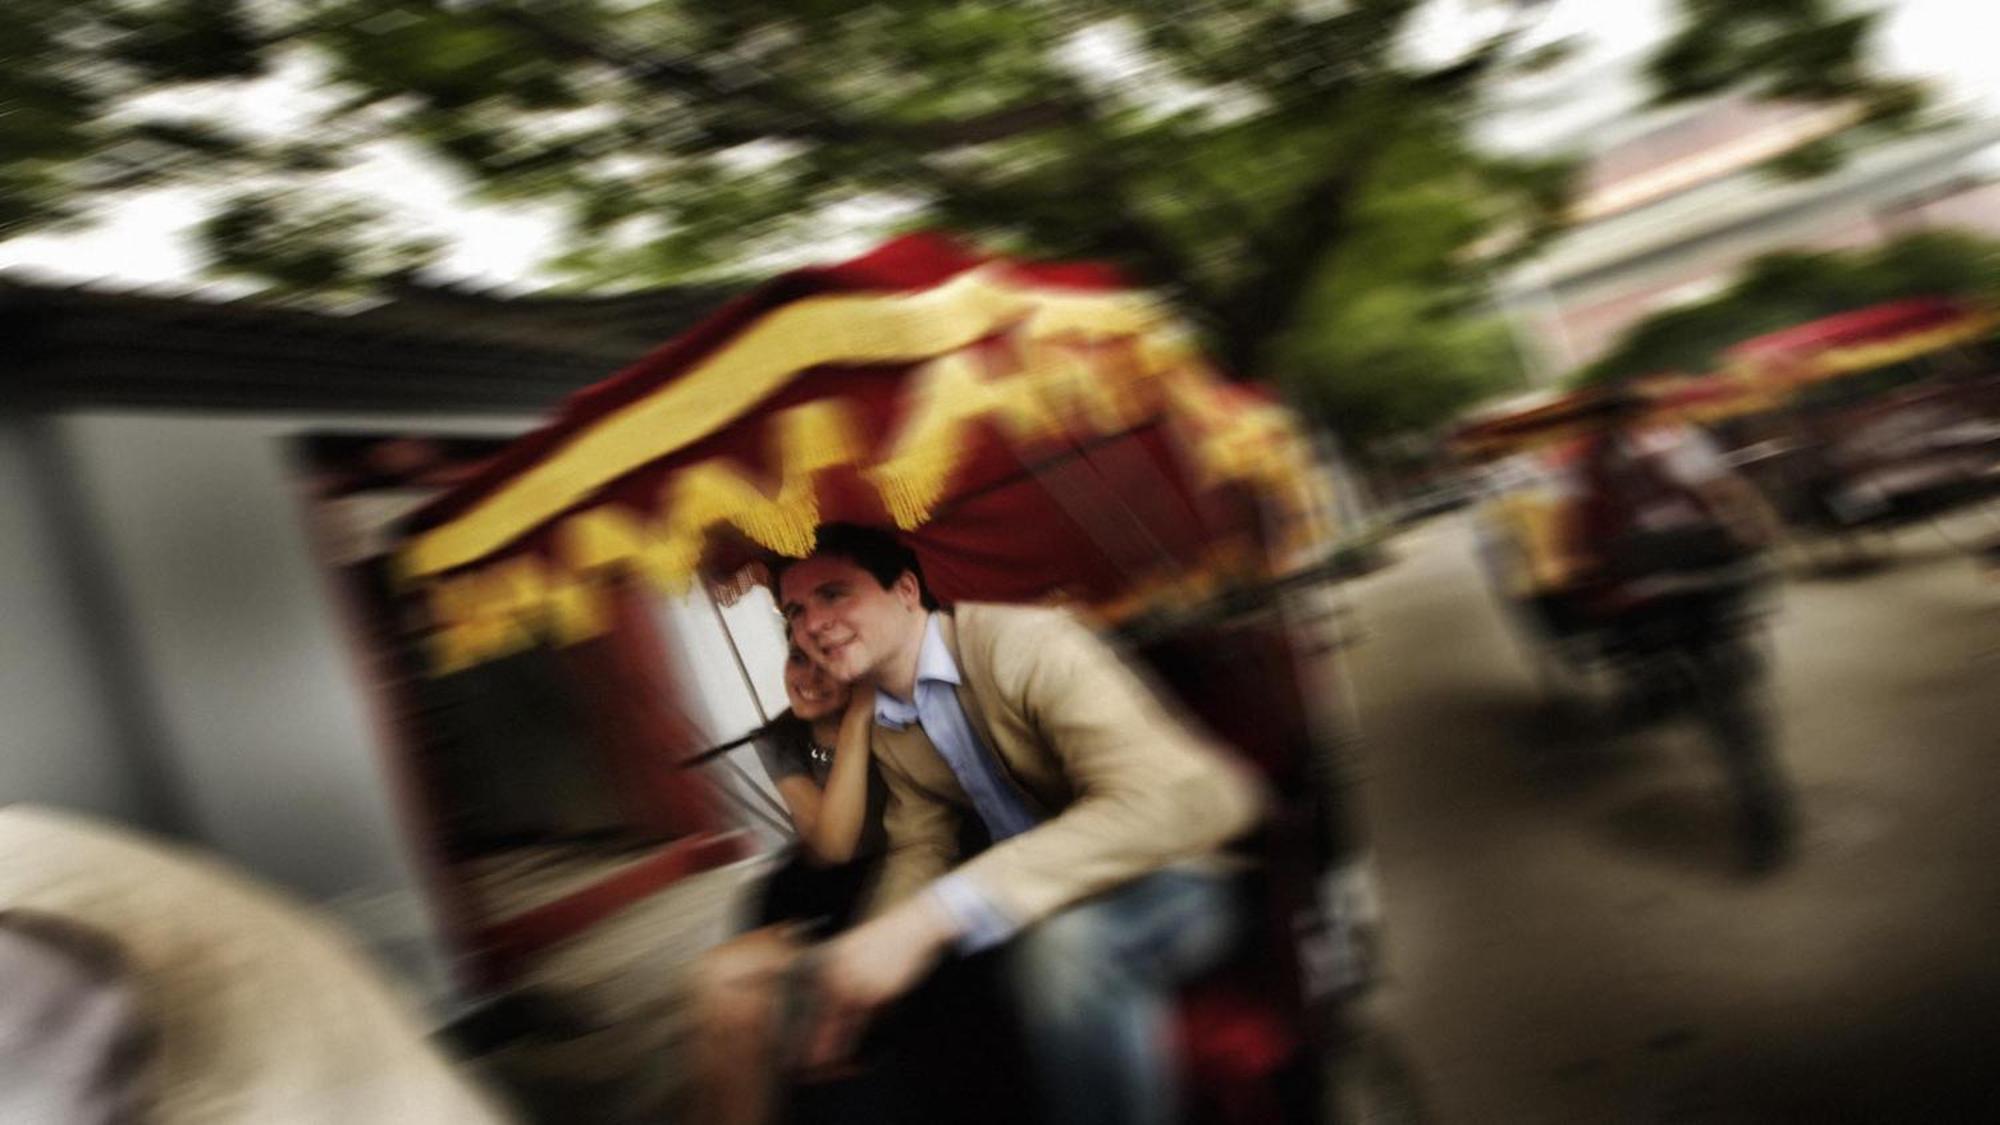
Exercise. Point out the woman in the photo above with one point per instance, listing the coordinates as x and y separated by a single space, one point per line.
817 755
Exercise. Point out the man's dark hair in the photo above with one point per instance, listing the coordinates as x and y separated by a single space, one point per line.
879 553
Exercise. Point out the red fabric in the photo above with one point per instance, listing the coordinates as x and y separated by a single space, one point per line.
1106 513
1232 1047
1087 525
1618 485
506 945
1240 1028
1874 324
626 682
910 263
915 262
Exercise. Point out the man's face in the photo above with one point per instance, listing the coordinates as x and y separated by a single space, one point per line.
844 620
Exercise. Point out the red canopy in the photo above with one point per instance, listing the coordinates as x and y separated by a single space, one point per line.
1035 430
1862 339
1705 398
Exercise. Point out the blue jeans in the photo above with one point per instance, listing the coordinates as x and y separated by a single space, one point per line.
1096 984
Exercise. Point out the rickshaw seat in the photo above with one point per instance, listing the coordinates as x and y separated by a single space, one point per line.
1244 1030
1235 1049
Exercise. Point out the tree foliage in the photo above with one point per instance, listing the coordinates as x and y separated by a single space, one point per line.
1399 338
1268 164
1780 290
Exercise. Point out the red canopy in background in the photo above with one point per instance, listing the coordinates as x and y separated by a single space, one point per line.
1759 373
1862 339
1550 418
1034 431
1526 421
1707 398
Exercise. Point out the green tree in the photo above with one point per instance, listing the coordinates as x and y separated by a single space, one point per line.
1787 50
1783 289
1264 163
1398 338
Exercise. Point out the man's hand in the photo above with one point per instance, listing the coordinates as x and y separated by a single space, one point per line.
869 966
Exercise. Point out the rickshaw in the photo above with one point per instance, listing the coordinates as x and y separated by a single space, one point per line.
1884 415
1035 433
1629 649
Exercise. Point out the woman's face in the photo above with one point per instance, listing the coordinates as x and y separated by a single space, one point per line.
813 694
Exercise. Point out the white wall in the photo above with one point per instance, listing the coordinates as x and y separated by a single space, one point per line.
233 625
58 742
257 709
722 704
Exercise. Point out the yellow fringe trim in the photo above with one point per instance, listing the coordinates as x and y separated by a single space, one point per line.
1055 387
843 329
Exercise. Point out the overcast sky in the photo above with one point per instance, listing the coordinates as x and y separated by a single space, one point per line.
143 239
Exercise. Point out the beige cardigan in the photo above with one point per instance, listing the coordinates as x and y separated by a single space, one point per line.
1129 785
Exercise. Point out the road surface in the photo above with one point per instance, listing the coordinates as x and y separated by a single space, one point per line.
1569 936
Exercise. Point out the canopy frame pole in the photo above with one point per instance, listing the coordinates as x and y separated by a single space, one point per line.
783 825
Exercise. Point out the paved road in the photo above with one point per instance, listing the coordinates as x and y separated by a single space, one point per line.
1569 937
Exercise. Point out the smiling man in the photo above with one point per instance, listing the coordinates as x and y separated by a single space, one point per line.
1105 813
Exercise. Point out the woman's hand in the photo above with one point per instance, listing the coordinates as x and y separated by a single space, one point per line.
859 715
844 805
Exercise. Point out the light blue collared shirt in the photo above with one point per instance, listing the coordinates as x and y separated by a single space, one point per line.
999 804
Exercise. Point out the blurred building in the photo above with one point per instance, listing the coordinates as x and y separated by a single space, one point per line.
177 655
1675 201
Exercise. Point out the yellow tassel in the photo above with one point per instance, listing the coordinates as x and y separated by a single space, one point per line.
577 611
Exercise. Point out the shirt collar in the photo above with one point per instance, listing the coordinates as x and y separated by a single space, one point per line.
934 665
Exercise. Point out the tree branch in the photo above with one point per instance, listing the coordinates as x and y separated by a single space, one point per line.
1102 169
778 112
775 112
1301 241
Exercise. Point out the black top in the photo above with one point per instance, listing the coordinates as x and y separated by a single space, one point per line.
785 746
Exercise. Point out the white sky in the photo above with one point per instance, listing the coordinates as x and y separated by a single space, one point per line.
143 239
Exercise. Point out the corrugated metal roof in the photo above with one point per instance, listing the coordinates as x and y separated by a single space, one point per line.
76 346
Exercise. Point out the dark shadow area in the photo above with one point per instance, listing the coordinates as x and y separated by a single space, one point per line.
1685 824
1927 1059
1568 745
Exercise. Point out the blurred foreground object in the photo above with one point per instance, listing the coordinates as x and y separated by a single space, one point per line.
73 1045
258 1011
